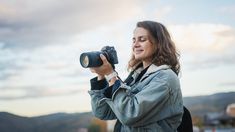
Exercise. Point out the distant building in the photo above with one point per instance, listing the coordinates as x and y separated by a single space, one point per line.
98 125
223 118
196 129
82 130
212 119
110 125
231 110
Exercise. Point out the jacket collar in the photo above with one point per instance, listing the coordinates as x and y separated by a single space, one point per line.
153 68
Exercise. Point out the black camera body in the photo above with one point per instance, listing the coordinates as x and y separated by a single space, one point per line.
92 59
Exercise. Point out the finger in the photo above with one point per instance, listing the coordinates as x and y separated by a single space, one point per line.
92 70
103 58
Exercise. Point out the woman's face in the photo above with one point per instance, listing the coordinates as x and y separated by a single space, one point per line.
143 48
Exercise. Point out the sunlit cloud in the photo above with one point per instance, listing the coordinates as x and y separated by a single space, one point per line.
162 12
207 45
228 10
204 37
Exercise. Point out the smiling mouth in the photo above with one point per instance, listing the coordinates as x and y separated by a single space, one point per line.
138 51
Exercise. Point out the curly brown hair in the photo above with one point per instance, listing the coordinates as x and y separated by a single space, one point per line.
165 50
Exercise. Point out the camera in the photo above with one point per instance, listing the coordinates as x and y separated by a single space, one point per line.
92 59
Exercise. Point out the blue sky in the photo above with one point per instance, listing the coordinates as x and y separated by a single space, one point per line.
41 41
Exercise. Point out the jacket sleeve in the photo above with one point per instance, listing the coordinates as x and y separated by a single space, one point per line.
131 108
100 108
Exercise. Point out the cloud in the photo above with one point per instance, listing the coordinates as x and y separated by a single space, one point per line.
13 93
227 10
38 23
207 45
227 84
204 37
54 70
47 71
9 64
162 12
40 42
52 67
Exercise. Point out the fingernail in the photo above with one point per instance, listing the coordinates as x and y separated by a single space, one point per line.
101 55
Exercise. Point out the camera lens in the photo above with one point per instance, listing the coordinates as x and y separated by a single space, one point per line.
90 59
84 60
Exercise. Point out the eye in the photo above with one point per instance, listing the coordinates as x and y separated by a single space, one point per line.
142 39
133 40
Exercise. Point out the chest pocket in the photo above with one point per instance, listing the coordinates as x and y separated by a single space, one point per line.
139 86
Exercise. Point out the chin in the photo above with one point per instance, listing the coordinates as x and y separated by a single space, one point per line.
138 58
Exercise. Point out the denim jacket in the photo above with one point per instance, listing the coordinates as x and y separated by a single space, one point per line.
153 104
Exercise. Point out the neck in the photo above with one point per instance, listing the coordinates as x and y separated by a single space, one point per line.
146 64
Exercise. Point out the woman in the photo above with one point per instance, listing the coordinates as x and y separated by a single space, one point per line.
150 99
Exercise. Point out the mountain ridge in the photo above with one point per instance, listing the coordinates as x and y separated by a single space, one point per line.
201 105
72 122
47 123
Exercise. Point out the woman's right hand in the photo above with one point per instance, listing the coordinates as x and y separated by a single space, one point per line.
105 69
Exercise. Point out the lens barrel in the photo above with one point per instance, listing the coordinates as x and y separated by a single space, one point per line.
90 59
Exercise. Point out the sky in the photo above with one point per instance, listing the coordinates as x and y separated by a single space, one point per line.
41 42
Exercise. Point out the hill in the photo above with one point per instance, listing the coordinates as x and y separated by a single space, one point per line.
63 122
201 105
59 122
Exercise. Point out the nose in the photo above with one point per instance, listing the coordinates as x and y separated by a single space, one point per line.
136 44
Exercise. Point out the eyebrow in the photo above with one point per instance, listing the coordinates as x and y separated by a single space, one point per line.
140 37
